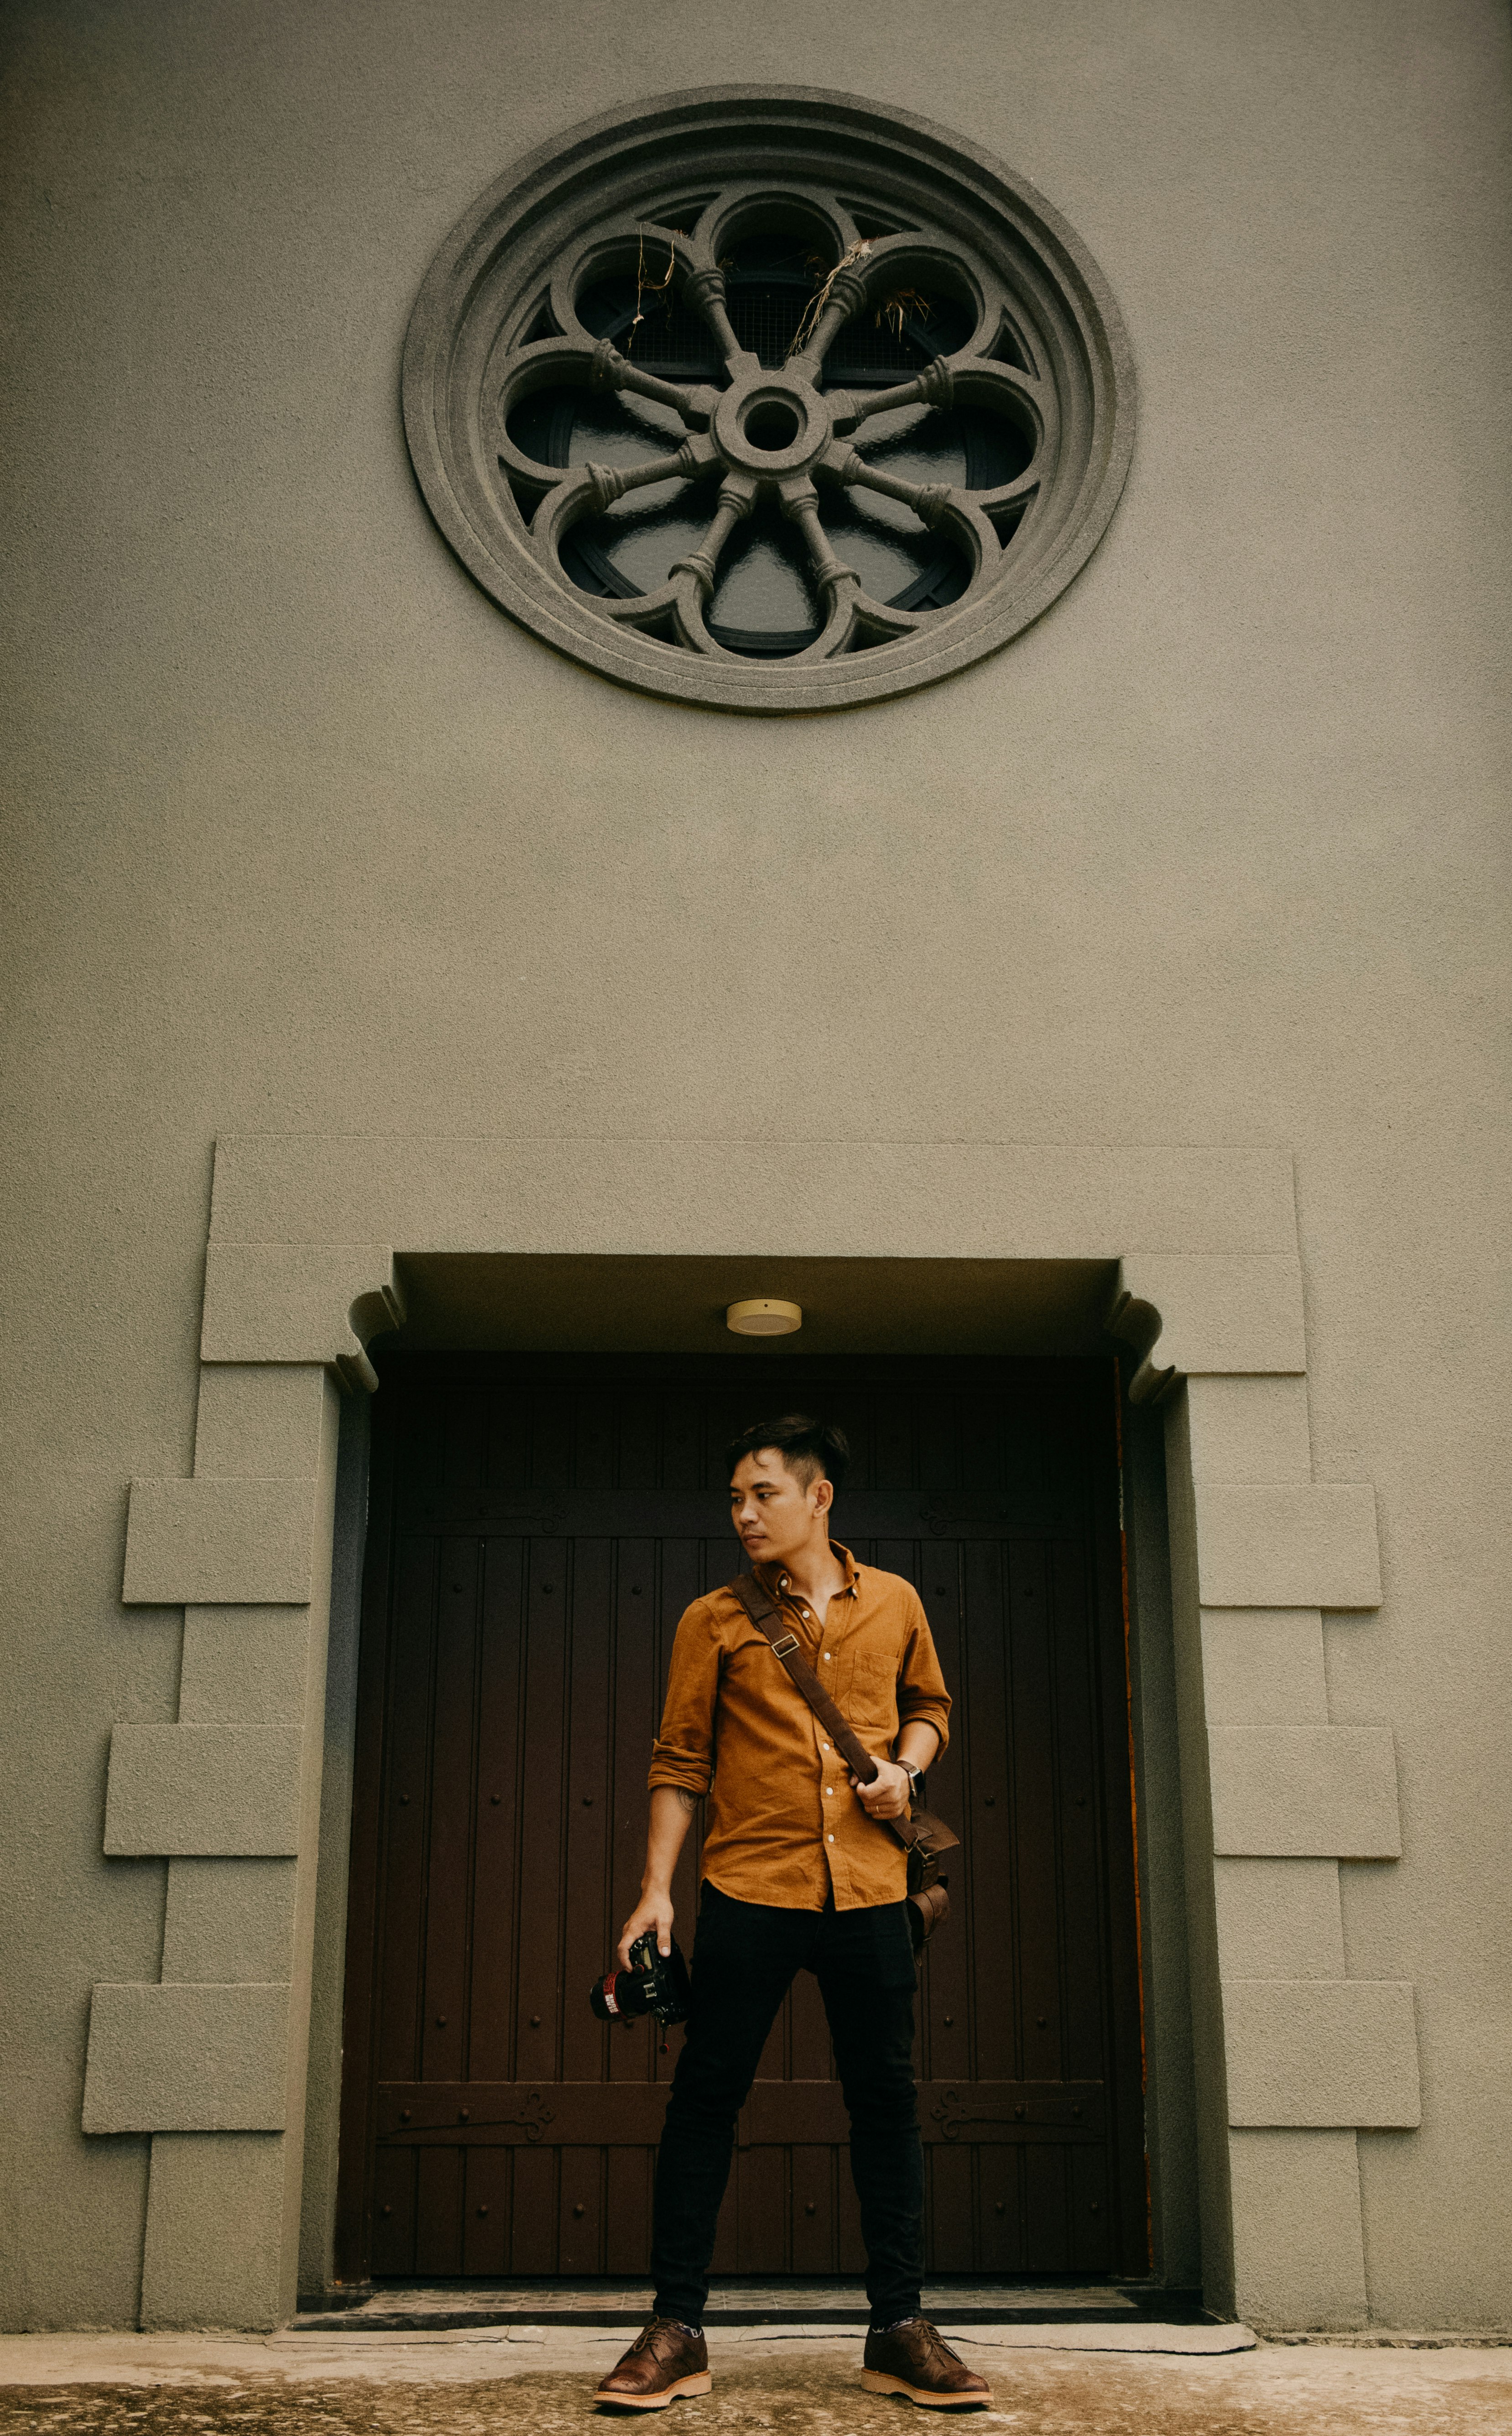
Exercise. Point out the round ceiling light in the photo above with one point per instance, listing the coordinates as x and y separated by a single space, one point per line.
764 1318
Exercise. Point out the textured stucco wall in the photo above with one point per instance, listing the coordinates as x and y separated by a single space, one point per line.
307 838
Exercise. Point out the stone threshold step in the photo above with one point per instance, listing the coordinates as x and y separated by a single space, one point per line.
447 2311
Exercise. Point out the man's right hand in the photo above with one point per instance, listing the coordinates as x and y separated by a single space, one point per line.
653 1912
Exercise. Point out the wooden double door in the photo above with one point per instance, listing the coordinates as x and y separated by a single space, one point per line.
537 1528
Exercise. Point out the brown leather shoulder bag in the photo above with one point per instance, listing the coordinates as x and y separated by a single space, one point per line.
923 1837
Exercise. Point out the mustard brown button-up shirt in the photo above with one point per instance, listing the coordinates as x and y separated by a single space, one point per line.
784 1826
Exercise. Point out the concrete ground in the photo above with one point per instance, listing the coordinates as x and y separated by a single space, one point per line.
1047 2381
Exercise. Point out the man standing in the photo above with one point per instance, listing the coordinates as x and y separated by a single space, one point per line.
800 1872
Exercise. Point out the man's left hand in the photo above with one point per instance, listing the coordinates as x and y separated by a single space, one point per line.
889 1793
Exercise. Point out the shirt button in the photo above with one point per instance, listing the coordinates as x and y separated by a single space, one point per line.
826 1653
831 1839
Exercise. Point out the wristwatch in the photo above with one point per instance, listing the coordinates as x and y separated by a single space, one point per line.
915 1775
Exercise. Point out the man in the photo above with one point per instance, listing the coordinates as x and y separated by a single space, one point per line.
800 1872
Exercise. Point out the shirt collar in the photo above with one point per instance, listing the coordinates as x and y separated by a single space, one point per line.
774 1579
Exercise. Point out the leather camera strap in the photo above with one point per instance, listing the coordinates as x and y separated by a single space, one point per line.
766 1616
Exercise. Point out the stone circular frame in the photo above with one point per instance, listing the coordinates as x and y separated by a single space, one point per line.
700 355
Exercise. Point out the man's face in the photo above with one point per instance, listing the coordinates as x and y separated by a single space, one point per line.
772 1511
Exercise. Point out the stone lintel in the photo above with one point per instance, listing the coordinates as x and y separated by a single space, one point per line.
936 1200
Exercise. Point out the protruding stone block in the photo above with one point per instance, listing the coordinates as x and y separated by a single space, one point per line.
187 2059
209 1789
1321 2054
216 1542
1328 1791
1303 1543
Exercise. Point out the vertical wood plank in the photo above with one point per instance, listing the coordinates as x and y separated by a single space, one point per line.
681 1425
533 2217
996 1833
438 2211
761 2222
726 2238
503 1774
813 2211
1035 1824
934 1437
946 1971
448 1856
850 2250
1128 2159
635 1717
507 1462
1091 2229
951 2247
393 2213
579 2235
999 2245
1046 2208
405 1778
1083 1903
627 2211
539 1984
464 1457
486 2204
586 1604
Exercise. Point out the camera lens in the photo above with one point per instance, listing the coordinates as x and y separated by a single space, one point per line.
623 1997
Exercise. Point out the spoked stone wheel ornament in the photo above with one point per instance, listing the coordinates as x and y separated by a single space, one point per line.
768 399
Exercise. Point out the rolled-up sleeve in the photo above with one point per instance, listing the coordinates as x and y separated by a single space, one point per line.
682 1754
922 1697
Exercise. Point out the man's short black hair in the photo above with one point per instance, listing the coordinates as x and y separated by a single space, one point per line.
809 1449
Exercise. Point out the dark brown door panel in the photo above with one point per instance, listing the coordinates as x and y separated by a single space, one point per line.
537 1529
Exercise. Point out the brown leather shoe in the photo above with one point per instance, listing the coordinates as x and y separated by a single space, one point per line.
915 2360
663 2363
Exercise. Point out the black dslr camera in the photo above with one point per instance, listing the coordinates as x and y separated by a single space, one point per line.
653 1984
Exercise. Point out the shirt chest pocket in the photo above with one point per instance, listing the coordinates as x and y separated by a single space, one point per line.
873 1688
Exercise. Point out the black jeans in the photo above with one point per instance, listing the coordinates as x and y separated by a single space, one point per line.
745 1958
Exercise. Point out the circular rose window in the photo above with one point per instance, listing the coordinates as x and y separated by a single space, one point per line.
768 399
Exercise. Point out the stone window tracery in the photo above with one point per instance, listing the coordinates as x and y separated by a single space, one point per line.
768 400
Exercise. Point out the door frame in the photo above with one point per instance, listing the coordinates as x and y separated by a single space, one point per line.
306 1240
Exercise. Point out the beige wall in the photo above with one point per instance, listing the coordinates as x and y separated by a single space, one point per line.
308 839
